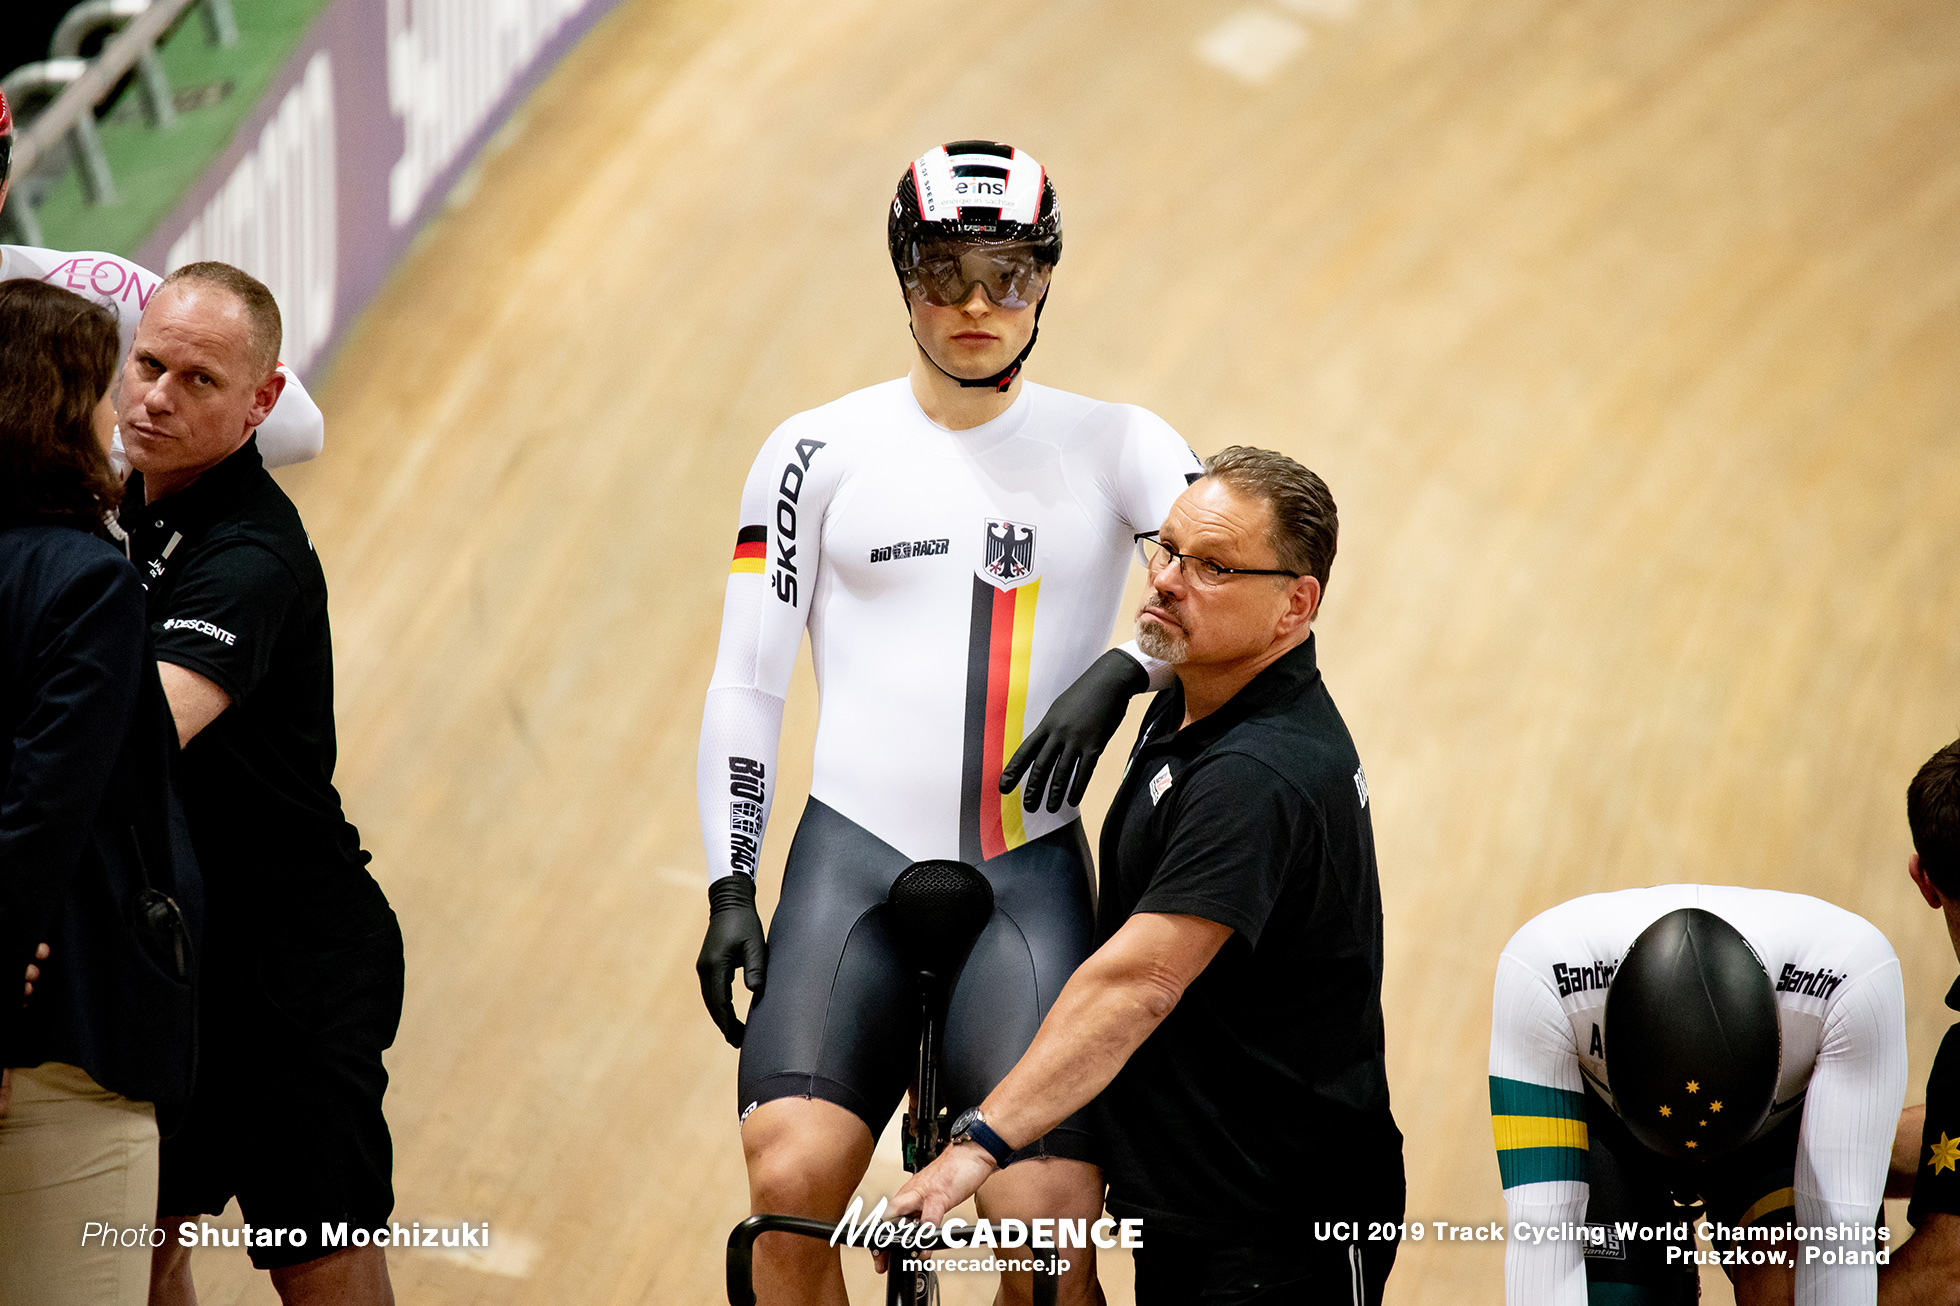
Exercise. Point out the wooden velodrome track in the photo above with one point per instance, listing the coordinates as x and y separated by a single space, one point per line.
1625 335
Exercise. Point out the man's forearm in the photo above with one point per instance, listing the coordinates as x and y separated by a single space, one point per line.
195 702
1904 1168
1094 1026
1925 1271
1104 1013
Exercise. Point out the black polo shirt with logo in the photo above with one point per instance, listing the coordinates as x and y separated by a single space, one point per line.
237 595
1262 1099
1936 1189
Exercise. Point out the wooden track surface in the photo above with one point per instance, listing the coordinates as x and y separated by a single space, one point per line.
1625 335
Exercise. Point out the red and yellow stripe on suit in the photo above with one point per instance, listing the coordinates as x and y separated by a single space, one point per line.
998 654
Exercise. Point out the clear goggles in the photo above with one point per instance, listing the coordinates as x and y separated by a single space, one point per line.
1013 276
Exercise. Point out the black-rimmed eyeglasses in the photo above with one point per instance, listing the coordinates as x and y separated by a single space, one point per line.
1157 555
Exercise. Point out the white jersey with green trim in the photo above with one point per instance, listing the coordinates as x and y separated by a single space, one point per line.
1841 1011
952 583
294 430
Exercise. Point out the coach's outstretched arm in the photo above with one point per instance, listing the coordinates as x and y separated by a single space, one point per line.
1104 1013
771 579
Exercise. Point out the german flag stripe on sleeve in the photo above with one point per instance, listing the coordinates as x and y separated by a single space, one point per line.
751 549
1540 1132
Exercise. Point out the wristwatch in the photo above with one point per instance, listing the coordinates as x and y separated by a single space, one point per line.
972 1128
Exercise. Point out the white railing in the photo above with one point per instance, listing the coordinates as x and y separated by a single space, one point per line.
84 86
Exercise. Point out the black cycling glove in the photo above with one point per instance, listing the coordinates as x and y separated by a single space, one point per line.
1071 736
734 939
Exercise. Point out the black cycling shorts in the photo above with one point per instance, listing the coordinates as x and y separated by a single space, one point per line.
1750 1186
838 1018
286 1113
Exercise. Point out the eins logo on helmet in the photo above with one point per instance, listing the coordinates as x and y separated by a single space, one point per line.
1004 185
979 191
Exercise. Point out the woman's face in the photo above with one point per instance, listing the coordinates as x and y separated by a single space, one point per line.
104 420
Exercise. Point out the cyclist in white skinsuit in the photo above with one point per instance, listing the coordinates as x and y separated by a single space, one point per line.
958 578
1833 1071
953 583
294 430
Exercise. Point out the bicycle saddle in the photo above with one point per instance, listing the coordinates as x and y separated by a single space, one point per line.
938 909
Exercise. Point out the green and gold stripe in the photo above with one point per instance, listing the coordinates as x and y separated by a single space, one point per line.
1540 1132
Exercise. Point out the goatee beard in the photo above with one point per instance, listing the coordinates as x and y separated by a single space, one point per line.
1161 642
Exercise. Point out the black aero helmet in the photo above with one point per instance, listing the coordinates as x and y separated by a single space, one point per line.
975 193
1692 1041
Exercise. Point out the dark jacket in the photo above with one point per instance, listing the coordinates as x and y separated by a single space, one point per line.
90 831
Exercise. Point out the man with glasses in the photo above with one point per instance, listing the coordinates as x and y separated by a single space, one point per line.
1231 1017
956 543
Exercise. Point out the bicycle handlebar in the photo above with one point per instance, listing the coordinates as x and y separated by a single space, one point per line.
741 1249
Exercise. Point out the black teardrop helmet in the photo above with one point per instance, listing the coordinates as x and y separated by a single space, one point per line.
1692 1039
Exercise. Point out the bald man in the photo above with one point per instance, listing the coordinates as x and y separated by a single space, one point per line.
301 977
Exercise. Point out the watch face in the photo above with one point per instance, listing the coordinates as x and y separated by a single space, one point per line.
962 1130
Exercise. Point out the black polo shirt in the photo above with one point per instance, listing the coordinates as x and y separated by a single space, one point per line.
1263 1097
237 595
1937 1187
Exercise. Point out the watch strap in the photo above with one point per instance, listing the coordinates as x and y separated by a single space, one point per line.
981 1132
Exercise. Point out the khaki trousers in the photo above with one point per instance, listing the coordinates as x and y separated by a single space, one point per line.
71 1153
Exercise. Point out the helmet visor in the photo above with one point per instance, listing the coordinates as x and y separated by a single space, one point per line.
1012 275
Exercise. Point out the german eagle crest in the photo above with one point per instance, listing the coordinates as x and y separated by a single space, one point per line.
1010 550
